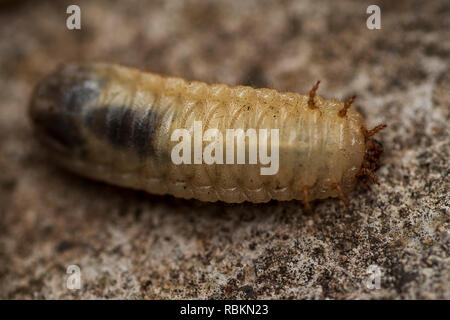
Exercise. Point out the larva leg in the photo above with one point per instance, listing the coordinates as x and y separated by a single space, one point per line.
369 133
312 94
341 195
347 105
367 172
306 200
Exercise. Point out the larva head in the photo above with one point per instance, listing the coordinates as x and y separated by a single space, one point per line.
372 155
373 151
57 102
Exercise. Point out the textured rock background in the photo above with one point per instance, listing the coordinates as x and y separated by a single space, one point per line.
132 245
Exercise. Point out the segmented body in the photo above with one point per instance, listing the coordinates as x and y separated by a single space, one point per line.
114 124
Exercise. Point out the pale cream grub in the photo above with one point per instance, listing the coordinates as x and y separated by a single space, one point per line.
125 128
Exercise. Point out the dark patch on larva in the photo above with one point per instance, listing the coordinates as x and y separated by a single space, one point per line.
71 88
125 127
144 131
57 103
77 96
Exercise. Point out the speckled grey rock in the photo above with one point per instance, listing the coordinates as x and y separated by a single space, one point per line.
132 245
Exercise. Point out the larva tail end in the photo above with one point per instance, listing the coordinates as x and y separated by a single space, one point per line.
58 101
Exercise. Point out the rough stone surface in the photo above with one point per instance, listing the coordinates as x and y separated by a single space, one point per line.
132 245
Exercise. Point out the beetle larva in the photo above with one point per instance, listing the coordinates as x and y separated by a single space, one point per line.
114 124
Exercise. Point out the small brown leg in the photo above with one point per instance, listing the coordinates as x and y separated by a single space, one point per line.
341 194
306 201
369 133
312 94
347 105
367 172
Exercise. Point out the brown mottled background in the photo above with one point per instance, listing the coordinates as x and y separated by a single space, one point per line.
132 245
